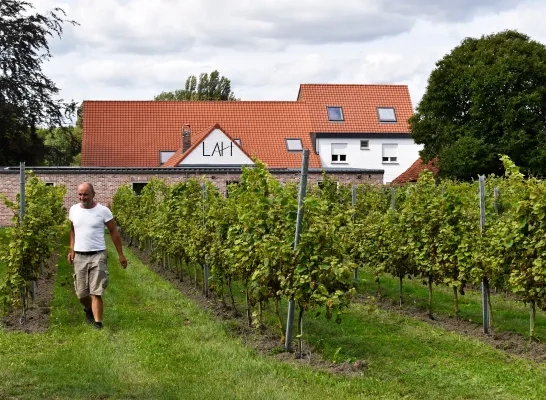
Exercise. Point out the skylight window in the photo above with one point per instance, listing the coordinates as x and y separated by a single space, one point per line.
386 114
335 114
294 145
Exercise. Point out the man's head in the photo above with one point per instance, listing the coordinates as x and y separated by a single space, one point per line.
86 194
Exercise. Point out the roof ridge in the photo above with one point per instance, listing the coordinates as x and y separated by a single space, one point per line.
197 101
352 84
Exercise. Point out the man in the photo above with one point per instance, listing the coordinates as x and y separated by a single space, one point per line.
88 251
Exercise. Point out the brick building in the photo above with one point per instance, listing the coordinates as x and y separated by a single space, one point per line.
355 133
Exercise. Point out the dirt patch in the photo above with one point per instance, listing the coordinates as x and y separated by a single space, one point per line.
264 340
37 315
510 342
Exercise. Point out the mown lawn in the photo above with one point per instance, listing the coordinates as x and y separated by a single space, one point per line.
157 344
508 314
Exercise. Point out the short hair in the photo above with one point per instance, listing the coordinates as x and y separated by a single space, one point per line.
90 187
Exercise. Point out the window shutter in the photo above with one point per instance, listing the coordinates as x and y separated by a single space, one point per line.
339 148
390 150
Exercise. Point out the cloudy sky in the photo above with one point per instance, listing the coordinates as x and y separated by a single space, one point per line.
135 49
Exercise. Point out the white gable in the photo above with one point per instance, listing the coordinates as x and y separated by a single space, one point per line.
216 149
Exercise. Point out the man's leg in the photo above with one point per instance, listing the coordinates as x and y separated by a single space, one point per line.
81 285
86 302
98 281
96 304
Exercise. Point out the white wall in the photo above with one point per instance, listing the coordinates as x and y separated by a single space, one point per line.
216 149
408 153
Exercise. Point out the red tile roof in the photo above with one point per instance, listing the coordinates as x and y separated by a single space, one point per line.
132 133
412 173
359 105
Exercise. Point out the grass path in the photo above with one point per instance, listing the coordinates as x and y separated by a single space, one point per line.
156 344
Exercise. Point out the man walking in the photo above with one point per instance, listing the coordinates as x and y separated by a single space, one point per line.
88 251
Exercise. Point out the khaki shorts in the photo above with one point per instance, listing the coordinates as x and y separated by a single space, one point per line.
90 274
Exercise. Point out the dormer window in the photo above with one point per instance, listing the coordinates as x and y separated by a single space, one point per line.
165 155
335 114
294 145
386 114
238 141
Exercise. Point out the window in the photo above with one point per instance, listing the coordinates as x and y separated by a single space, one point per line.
138 186
386 114
294 145
335 114
339 152
50 184
390 153
238 141
165 155
364 145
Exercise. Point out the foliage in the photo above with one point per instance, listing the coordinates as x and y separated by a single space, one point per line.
169 343
31 242
207 87
27 96
248 236
430 231
63 145
487 96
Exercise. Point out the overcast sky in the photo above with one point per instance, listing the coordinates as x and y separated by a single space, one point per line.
135 49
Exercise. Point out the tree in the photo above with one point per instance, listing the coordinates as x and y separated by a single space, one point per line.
63 145
208 87
487 97
26 94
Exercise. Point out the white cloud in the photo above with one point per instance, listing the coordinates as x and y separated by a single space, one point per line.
136 49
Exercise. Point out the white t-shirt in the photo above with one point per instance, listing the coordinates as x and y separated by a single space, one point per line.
89 226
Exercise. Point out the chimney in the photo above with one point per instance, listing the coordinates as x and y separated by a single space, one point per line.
186 138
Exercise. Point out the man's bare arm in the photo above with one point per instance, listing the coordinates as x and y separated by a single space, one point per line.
111 225
72 238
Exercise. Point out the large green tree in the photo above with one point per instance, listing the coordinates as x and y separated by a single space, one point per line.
487 97
208 87
62 145
27 96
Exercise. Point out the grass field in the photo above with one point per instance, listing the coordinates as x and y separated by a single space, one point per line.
157 344
508 314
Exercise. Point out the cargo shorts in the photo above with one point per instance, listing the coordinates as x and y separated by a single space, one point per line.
90 274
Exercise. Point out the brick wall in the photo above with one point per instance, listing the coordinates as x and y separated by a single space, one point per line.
106 181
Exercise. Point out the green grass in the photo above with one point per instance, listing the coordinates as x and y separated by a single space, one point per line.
508 314
157 344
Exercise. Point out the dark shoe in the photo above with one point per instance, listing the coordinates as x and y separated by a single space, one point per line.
89 318
97 325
